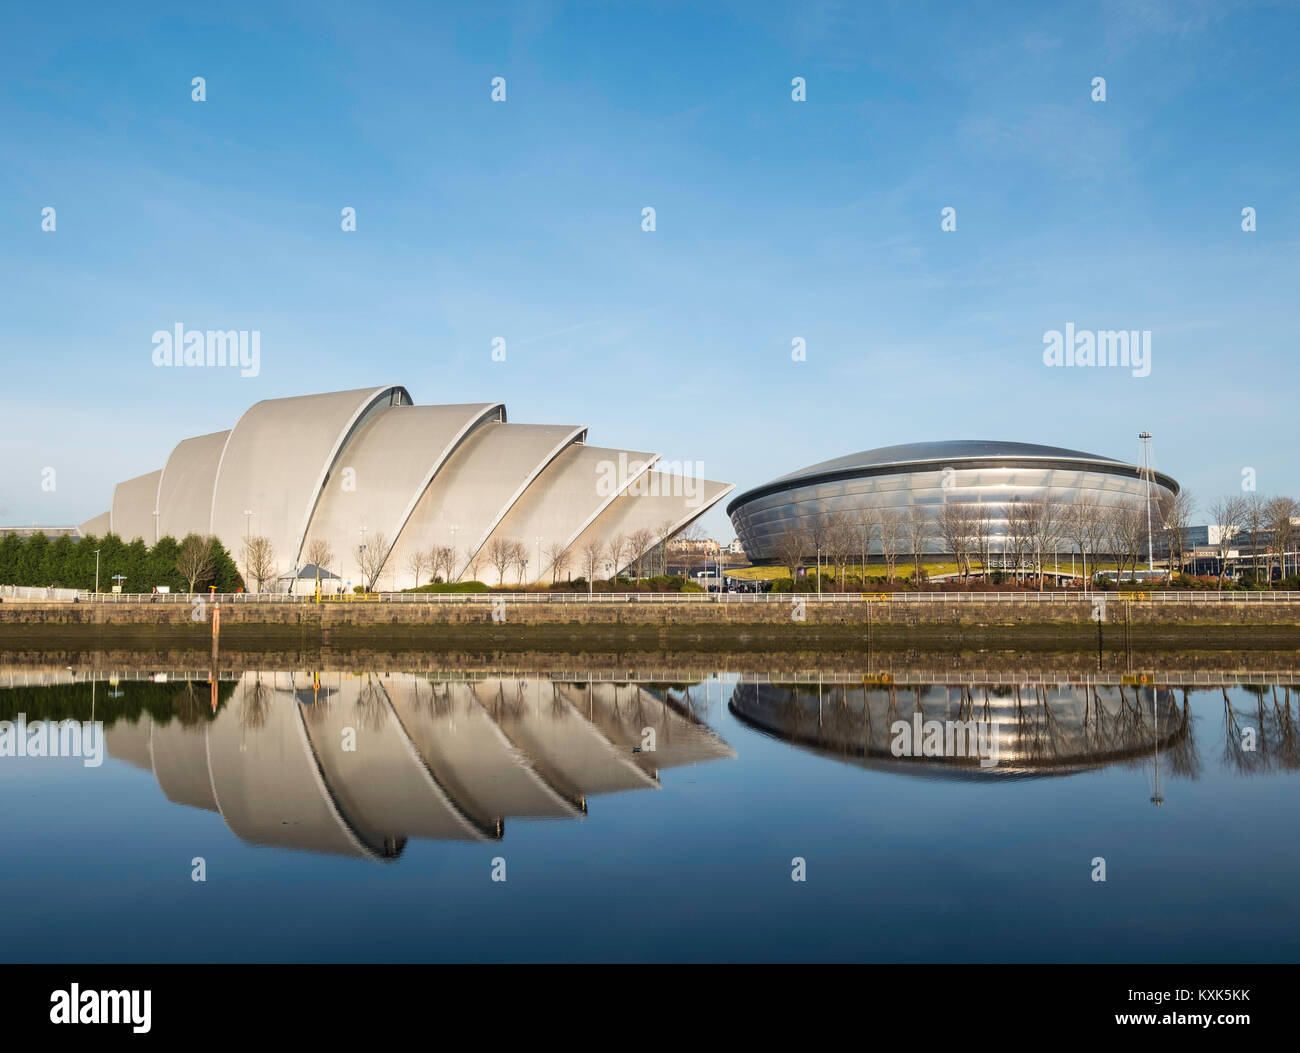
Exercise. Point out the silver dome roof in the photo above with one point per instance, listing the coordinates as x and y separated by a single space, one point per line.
951 449
923 456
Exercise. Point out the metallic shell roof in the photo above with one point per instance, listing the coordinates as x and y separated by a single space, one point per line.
912 454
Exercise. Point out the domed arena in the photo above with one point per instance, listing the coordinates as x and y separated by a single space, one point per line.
988 482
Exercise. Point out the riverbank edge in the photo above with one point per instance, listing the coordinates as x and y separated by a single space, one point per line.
695 639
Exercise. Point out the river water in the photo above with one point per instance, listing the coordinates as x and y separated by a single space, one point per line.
382 815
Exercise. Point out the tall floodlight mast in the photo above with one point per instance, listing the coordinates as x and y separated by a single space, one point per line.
1146 474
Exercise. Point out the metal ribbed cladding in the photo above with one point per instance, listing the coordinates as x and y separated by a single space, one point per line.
935 456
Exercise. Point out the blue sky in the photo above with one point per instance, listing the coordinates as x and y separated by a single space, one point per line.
775 219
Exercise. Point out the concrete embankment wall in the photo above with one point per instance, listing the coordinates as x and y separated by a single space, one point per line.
938 613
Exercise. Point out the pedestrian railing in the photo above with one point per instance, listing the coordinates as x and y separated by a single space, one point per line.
1177 596
969 677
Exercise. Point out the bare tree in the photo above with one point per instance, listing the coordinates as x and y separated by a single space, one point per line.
1282 513
864 525
196 560
817 528
1046 527
890 521
687 543
1255 518
1176 517
1228 513
519 554
319 554
920 527
664 532
558 556
956 525
258 557
639 543
983 528
1080 526
840 540
1126 526
372 556
1019 532
442 561
948 526
593 553
617 548
791 544
501 556
473 560
418 563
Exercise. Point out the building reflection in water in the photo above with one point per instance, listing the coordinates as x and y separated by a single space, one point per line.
445 760
1040 729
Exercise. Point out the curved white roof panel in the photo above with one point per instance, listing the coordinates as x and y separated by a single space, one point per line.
389 462
482 770
479 484
185 492
267 780
659 502
567 748
278 458
134 502
565 499
97 527
180 763
387 786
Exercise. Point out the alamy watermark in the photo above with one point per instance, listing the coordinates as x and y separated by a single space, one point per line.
42 738
238 348
670 479
75 1006
1124 348
947 738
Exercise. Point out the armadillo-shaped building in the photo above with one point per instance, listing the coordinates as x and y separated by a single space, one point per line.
368 466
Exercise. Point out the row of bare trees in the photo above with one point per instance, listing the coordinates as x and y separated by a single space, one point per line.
1267 525
637 552
1024 532
505 555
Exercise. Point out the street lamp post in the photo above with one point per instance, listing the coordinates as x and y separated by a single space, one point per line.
1146 471
155 526
248 512
96 572
539 553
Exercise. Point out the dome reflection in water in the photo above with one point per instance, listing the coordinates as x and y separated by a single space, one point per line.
1035 729
357 764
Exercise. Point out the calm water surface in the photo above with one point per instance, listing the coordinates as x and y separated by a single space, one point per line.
361 816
